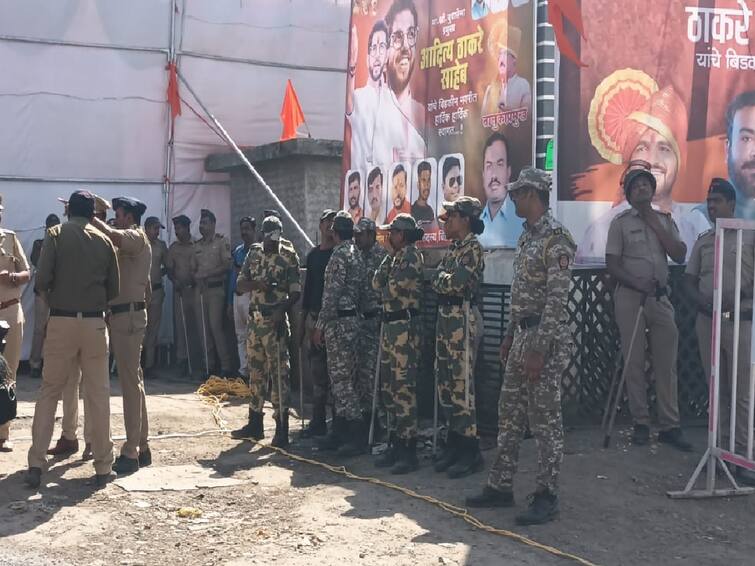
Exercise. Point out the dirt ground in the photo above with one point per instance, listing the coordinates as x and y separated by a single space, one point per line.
613 505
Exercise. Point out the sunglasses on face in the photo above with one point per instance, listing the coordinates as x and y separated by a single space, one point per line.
454 181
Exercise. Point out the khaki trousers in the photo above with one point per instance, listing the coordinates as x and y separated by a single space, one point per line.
154 316
41 314
70 422
214 313
73 345
127 330
658 320
704 331
12 356
190 312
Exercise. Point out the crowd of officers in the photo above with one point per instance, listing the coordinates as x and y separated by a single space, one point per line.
361 327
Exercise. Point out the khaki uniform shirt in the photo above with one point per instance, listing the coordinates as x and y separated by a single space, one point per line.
159 257
78 267
181 262
12 259
211 255
135 260
640 250
701 264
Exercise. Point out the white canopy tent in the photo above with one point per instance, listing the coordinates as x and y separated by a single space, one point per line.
83 98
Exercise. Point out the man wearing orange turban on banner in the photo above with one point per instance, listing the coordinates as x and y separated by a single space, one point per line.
508 91
655 133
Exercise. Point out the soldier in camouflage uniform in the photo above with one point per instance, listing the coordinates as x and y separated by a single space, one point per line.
339 321
457 283
369 332
535 350
270 274
399 281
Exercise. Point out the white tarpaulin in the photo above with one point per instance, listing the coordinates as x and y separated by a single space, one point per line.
83 98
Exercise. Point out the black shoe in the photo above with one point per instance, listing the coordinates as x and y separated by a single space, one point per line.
641 435
280 440
125 466
543 508
145 458
253 429
675 438
33 477
491 497
336 437
407 457
101 480
356 443
87 453
317 425
387 458
470 460
450 454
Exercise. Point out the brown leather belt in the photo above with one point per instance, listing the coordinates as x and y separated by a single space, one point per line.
6 304
126 307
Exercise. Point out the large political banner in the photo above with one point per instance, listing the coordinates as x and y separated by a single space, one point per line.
669 83
439 104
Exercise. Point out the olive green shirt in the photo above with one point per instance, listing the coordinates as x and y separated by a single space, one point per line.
78 267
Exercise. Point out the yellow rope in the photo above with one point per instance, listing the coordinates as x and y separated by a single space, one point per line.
215 389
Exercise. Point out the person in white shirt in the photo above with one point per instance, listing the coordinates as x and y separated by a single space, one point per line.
508 91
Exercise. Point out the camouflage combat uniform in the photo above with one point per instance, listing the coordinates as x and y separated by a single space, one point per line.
457 284
369 332
539 293
340 319
267 346
399 280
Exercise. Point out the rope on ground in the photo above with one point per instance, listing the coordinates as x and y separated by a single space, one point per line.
217 389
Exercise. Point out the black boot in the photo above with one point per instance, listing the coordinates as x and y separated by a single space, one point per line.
407 457
491 497
280 440
249 429
450 454
543 508
336 437
470 460
316 426
356 442
387 458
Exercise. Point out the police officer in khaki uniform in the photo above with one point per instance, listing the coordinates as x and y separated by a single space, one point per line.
213 260
68 442
152 228
14 272
699 282
128 322
181 265
640 241
78 269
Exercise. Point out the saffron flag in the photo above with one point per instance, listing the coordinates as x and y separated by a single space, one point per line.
291 113
558 10
173 98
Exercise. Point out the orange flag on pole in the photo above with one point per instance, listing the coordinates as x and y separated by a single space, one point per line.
569 10
291 113
173 97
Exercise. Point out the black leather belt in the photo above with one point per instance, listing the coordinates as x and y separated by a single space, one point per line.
403 314
157 286
729 315
369 315
77 314
450 300
529 322
215 284
126 307
346 313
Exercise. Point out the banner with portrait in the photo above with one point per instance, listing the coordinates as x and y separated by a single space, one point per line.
439 104
669 85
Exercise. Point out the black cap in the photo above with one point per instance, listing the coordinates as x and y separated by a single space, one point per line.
81 202
131 204
52 220
250 219
271 212
153 220
635 174
182 219
204 213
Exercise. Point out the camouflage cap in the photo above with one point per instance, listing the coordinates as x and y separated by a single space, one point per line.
271 224
365 225
402 221
343 221
328 214
101 206
531 177
468 206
